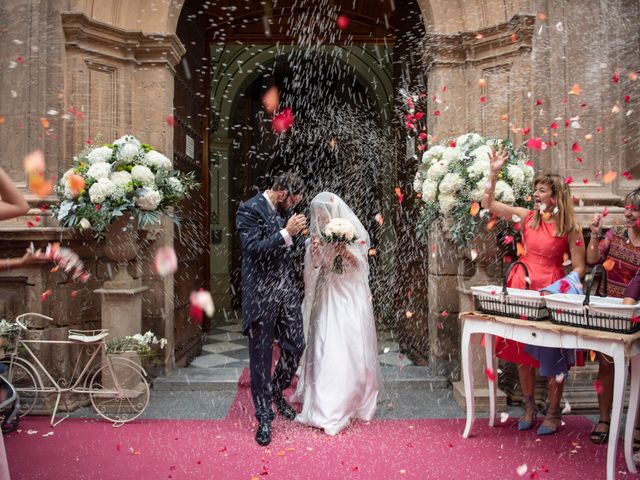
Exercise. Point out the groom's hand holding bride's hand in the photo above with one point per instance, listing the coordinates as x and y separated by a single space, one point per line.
296 224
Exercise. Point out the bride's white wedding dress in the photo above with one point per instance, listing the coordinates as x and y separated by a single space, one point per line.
340 378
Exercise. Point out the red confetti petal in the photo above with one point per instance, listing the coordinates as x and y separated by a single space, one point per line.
491 375
342 21
615 77
597 385
534 143
575 148
45 295
507 239
437 113
525 130
568 180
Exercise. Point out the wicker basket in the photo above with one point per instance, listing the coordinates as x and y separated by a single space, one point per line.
510 302
592 312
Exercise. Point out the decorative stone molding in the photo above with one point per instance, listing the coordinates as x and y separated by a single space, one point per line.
116 43
498 41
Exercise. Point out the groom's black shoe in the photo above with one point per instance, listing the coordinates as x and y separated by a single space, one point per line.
284 408
263 434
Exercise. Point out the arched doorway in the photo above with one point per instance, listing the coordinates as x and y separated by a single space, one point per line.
339 142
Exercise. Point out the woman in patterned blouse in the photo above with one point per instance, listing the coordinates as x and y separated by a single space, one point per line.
621 245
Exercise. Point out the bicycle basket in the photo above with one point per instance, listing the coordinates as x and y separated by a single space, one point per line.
510 302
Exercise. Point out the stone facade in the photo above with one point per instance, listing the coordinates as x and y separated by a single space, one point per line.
107 67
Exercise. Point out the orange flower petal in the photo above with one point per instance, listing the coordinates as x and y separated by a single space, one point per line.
609 177
475 209
608 264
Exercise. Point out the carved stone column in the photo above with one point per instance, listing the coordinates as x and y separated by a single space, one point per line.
121 81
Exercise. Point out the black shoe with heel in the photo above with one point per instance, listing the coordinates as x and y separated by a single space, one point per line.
599 437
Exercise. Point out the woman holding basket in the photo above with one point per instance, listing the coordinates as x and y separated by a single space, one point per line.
550 232
619 251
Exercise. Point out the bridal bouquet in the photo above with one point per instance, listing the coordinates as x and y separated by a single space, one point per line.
341 231
125 176
451 180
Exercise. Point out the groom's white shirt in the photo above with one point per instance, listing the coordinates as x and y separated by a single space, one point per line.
285 234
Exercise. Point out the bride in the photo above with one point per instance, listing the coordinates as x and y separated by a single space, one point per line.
339 380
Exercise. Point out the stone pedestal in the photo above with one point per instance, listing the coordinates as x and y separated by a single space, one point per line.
122 296
485 257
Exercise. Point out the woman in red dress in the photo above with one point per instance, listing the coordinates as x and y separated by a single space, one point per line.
550 235
620 247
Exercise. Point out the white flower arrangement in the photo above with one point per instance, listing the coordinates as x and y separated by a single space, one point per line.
338 230
139 343
451 177
126 176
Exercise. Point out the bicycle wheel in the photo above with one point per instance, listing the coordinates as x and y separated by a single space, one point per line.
21 376
119 392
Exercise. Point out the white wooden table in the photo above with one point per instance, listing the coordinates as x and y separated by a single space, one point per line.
624 349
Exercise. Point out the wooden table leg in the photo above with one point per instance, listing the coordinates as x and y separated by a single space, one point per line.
489 347
467 377
619 382
632 413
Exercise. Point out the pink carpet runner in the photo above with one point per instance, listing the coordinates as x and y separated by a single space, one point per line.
225 449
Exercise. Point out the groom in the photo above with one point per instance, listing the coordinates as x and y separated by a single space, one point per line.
270 299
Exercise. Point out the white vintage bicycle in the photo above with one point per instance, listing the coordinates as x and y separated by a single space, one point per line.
116 385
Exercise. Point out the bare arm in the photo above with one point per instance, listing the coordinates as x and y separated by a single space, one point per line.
502 210
593 250
576 249
12 203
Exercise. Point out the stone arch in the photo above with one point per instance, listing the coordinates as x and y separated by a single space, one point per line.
362 58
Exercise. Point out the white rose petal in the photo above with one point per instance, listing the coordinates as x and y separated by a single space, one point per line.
85 224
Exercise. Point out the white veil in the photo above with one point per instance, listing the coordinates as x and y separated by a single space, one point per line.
324 207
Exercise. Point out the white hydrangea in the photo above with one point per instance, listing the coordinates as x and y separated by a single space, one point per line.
433 154
516 175
417 182
101 190
149 199
451 183
100 154
121 179
128 152
446 203
479 168
437 170
429 190
504 192
157 160
468 139
529 172
99 170
143 174
175 185
482 152
451 154
128 139
478 191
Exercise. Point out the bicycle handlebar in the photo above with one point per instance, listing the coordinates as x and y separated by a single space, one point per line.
30 314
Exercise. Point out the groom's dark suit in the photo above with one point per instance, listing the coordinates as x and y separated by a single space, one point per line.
270 301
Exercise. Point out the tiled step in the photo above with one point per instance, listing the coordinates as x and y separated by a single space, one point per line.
209 379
